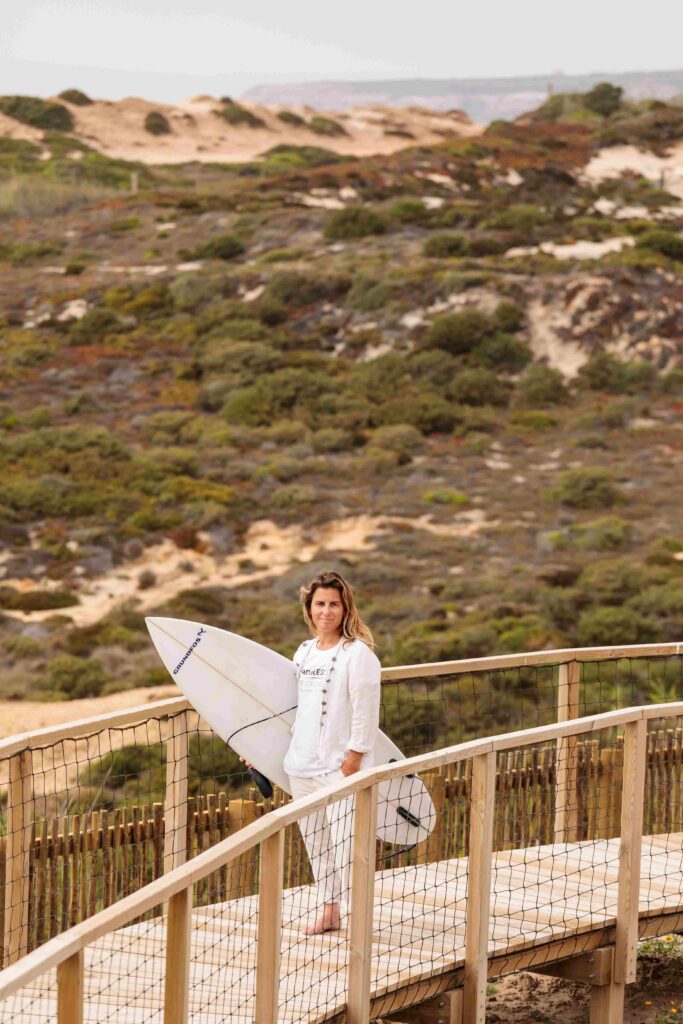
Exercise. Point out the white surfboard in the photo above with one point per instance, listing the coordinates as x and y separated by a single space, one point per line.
244 690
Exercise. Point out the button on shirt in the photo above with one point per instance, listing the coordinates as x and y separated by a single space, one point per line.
303 757
346 717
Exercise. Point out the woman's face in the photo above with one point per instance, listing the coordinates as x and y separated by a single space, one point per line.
327 610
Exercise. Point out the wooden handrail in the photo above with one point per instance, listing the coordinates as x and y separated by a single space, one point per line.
176 705
57 950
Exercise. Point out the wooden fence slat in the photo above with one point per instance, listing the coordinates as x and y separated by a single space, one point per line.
17 856
482 802
269 929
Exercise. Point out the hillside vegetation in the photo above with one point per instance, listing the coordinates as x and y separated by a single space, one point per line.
403 366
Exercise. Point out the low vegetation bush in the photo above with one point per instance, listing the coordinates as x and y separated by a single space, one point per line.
603 627
588 488
72 678
540 387
662 240
290 118
478 386
354 222
35 600
76 97
37 113
297 289
523 217
501 351
222 247
603 99
458 333
326 126
238 116
96 325
20 254
446 244
157 123
611 582
409 210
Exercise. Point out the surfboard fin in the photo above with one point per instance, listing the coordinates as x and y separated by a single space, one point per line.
264 785
408 816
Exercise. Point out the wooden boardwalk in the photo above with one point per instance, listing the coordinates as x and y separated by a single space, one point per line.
547 902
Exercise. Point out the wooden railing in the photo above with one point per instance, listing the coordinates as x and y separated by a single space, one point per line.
26 830
66 952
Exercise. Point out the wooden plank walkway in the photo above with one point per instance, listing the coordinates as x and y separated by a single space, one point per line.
540 895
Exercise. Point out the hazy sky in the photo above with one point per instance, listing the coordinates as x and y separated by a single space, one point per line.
169 49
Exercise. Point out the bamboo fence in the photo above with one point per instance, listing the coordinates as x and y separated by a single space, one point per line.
83 863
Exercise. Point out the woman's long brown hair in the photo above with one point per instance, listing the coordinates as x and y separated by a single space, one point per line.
352 626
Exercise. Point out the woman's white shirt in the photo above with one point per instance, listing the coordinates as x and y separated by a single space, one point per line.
336 716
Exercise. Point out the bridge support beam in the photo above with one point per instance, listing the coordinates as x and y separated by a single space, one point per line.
597 970
446 1008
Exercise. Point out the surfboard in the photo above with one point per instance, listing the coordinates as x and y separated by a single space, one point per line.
247 694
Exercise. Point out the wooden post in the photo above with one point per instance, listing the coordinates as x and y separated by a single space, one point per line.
175 802
70 990
269 929
18 853
362 906
566 773
482 803
178 949
625 950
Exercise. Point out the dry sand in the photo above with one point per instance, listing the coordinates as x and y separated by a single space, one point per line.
200 133
269 550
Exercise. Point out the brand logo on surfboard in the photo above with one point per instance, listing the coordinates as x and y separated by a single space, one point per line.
188 652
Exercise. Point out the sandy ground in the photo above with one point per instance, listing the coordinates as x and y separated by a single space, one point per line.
580 250
19 716
271 550
614 161
200 133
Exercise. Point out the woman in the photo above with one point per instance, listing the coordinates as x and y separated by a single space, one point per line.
334 731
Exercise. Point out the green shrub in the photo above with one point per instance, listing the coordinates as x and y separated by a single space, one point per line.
76 97
602 372
95 325
401 438
608 533
72 677
603 99
285 155
446 496
429 413
587 488
459 332
326 126
502 351
540 386
290 118
222 247
295 289
354 222
36 600
534 419
236 115
611 582
445 245
663 241
477 386
369 293
523 217
38 113
408 211
157 123
20 254
606 627
508 316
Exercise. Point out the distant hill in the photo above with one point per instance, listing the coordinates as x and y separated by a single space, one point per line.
483 99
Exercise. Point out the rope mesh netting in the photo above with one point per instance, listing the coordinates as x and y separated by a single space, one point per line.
92 819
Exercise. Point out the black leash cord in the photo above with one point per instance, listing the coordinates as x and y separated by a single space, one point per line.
260 721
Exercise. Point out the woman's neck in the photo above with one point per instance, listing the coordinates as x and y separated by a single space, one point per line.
325 641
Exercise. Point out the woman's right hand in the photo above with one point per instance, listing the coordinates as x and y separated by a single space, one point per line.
247 763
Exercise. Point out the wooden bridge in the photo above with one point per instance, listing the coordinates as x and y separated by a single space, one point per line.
420 940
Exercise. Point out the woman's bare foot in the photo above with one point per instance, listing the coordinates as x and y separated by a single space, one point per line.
329 921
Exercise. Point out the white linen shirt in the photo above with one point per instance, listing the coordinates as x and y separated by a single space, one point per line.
349 720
